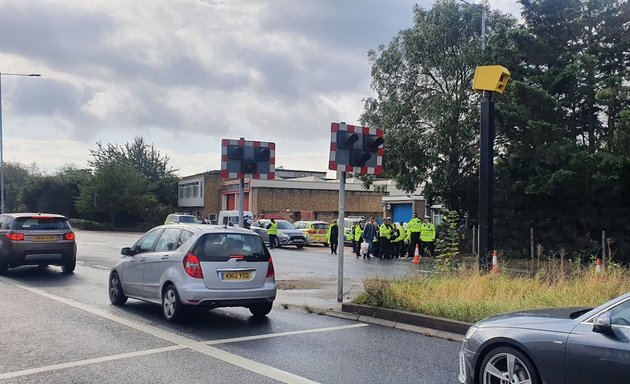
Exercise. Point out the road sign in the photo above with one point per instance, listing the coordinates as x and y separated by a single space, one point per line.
248 159
356 149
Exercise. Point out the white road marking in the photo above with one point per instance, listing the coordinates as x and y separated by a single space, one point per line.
80 262
101 267
180 342
280 334
80 363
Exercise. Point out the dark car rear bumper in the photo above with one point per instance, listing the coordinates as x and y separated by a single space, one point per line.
34 254
211 304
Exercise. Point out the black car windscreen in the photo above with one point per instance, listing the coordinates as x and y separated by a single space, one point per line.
223 246
42 223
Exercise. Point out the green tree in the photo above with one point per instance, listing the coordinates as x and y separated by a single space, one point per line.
425 104
447 246
116 189
17 177
54 193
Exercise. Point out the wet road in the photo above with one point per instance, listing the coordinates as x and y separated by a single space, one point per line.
61 329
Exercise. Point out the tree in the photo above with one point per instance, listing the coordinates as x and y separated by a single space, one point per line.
116 189
54 193
448 243
17 177
425 104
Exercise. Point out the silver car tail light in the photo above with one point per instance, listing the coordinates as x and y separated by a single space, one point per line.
192 266
270 270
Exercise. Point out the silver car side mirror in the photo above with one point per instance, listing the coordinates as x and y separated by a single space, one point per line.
602 323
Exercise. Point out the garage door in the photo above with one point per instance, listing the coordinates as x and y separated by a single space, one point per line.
401 212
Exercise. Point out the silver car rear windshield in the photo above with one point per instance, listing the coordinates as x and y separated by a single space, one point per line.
223 246
41 223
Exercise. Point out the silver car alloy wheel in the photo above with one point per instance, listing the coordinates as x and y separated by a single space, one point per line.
505 368
170 303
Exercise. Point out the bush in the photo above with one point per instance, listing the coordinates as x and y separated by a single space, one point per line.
89 225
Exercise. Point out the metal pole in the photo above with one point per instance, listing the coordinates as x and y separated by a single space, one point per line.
483 31
531 242
241 200
341 237
603 248
486 141
1 154
473 237
1 139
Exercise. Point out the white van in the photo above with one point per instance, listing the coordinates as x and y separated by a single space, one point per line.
230 218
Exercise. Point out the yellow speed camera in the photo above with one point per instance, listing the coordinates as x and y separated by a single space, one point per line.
492 78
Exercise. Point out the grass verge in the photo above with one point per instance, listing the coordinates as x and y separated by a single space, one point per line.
471 296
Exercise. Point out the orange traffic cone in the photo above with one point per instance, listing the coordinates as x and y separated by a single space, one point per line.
598 265
495 262
416 256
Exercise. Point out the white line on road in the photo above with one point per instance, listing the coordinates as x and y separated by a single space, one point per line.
280 334
101 267
180 341
80 363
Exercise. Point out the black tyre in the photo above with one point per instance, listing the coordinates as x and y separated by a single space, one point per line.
3 268
172 307
69 266
299 246
116 294
261 310
325 245
500 361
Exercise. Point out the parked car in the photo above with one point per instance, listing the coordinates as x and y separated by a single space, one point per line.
287 234
315 231
552 346
231 217
36 239
183 266
176 218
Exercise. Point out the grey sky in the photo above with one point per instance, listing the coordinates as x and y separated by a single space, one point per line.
186 73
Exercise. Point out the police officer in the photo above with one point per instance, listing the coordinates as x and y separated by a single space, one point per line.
384 238
413 227
427 237
358 232
399 241
272 231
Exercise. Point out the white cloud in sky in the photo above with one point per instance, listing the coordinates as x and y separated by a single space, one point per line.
186 73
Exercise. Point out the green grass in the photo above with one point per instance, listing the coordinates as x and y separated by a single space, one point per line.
471 296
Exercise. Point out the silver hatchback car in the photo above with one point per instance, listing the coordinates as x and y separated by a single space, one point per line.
192 265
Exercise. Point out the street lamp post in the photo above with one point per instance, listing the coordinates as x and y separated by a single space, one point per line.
1 140
483 23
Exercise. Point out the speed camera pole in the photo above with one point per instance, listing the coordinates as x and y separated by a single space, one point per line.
490 79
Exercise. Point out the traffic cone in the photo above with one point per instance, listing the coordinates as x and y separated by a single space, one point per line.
416 256
598 265
495 262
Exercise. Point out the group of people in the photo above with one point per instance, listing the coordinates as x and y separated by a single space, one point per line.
389 240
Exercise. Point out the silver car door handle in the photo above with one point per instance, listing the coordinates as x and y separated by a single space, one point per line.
143 258
164 257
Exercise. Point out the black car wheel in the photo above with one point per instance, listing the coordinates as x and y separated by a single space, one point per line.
69 266
261 310
299 246
172 308
507 365
325 244
3 268
116 294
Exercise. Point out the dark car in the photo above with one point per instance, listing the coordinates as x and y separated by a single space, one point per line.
287 233
551 346
36 239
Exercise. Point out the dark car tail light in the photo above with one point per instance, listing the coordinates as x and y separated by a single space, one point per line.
192 266
69 236
271 272
15 236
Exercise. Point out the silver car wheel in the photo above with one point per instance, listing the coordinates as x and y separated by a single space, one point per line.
506 368
116 294
172 307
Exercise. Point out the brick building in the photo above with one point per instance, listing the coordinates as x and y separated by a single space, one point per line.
296 195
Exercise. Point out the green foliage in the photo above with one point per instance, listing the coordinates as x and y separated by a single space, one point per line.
89 225
562 163
448 244
116 189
